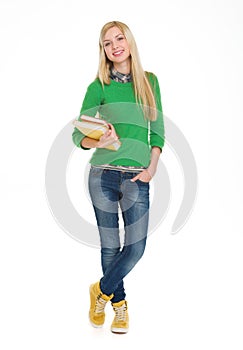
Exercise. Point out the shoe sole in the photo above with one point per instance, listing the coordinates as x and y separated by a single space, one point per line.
95 325
119 330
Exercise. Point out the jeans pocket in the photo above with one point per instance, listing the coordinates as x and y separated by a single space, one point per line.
142 182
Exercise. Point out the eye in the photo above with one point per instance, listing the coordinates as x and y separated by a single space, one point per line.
120 38
107 44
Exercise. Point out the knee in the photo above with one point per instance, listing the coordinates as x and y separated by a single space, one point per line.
136 251
108 255
109 252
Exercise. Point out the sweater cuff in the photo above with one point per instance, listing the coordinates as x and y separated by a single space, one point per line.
77 139
158 141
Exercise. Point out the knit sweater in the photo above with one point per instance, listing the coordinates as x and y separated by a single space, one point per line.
116 104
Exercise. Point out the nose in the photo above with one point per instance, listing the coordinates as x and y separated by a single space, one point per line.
114 45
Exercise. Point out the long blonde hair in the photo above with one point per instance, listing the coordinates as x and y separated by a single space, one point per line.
142 88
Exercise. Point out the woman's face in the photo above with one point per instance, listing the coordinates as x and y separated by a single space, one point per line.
116 46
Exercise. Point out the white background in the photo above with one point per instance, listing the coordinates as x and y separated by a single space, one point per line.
186 292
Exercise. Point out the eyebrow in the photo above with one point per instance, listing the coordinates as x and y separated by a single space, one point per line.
115 37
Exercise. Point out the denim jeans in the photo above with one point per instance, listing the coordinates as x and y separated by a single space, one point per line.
112 191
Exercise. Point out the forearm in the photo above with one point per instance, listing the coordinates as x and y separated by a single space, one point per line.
87 142
155 154
107 139
147 174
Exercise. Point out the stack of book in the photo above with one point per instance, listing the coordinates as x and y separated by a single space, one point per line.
94 128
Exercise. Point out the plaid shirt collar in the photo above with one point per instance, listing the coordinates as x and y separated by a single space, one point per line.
120 77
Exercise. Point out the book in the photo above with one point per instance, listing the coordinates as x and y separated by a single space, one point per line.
94 128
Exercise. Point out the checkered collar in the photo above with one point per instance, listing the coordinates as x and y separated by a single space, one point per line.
120 77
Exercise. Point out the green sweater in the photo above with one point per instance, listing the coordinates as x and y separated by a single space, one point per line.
116 104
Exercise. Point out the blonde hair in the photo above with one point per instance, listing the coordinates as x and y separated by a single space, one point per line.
142 88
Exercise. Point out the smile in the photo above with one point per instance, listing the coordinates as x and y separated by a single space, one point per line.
118 53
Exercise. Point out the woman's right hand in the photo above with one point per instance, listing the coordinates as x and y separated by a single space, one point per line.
108 138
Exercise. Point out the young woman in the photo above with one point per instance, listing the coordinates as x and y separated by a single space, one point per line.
128 98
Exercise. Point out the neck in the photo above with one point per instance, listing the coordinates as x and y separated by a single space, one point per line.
123 67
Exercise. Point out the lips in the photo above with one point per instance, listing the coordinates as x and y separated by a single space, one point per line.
118 53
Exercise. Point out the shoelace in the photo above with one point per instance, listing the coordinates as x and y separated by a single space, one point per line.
120 312
100 305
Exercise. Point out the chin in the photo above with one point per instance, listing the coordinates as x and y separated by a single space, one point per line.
120 59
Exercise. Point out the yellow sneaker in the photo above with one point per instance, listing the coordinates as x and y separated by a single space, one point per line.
98 302
120 323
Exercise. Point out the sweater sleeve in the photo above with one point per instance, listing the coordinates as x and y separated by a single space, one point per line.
90 106
157 127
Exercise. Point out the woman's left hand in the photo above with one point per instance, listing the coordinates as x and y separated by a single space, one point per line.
144 176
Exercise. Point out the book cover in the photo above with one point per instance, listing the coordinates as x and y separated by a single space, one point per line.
94 128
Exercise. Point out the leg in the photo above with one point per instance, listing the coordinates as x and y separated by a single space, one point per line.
107 257
103 187
135 211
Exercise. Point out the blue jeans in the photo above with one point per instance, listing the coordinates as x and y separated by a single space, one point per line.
111 190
